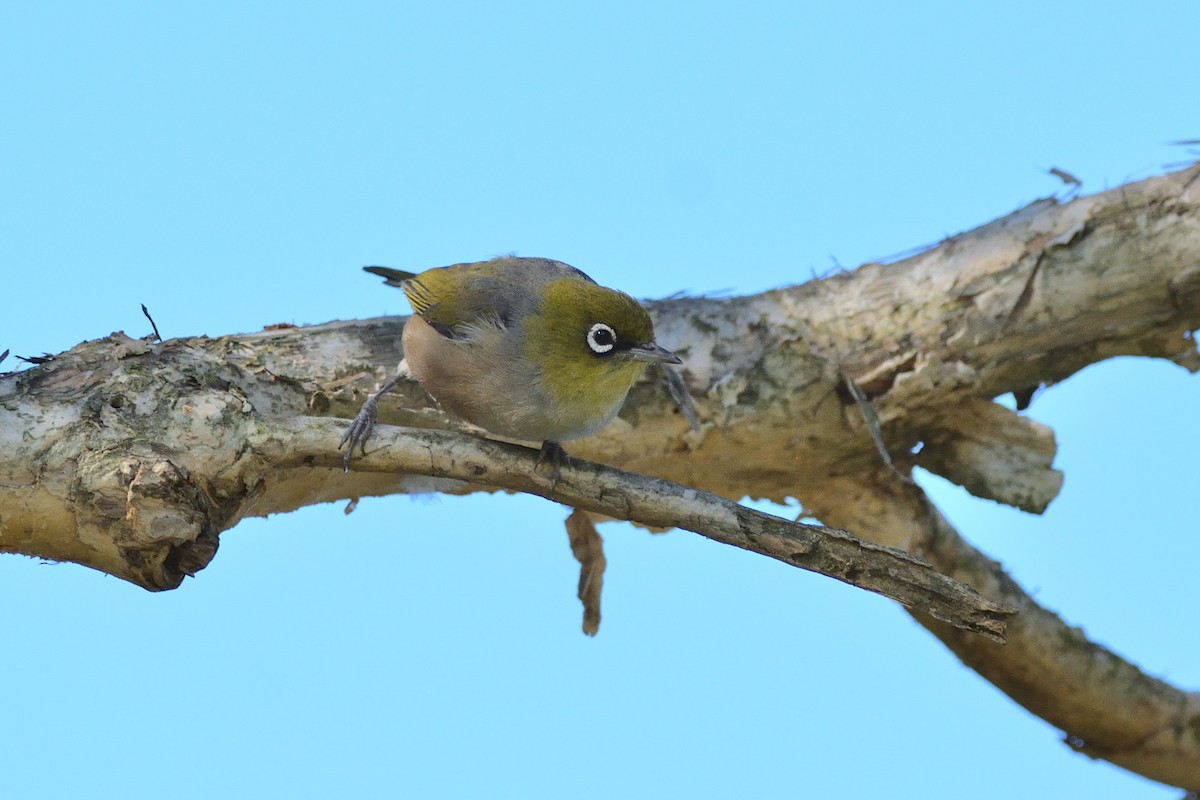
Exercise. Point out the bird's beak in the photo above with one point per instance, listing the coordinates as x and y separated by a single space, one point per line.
654 354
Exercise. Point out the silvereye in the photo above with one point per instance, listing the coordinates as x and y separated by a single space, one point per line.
527 348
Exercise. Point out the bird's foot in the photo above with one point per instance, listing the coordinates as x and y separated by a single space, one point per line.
553 453
362 426
359 431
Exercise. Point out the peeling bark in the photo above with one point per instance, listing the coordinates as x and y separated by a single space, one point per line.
588 548
130 457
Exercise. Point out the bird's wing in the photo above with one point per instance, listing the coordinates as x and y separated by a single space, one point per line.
461 296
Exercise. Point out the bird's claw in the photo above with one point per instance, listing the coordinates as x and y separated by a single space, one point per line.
359 431
553 453
362 426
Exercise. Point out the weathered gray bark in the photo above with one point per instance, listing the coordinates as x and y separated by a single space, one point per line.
132 458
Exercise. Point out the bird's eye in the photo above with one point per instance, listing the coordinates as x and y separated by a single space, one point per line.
601 338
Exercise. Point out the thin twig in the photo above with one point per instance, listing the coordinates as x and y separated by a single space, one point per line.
867 409
152 325
304 442
44 358
679 393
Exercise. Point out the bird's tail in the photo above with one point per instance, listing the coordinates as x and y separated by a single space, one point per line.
392 277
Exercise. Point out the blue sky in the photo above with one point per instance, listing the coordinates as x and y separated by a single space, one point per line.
232 167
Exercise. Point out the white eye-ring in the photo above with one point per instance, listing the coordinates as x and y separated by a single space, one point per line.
601 338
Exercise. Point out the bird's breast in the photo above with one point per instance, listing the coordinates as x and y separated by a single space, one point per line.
482 378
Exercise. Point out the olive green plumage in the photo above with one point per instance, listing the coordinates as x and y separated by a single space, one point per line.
527 348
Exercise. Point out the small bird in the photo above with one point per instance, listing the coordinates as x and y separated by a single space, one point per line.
526 348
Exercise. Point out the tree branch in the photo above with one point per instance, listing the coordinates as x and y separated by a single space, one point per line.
1106 706
131 457
910 581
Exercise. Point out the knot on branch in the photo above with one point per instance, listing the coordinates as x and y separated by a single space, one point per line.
168 530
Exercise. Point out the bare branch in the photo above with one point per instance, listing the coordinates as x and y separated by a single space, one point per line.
1106 707
132 457
308 443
